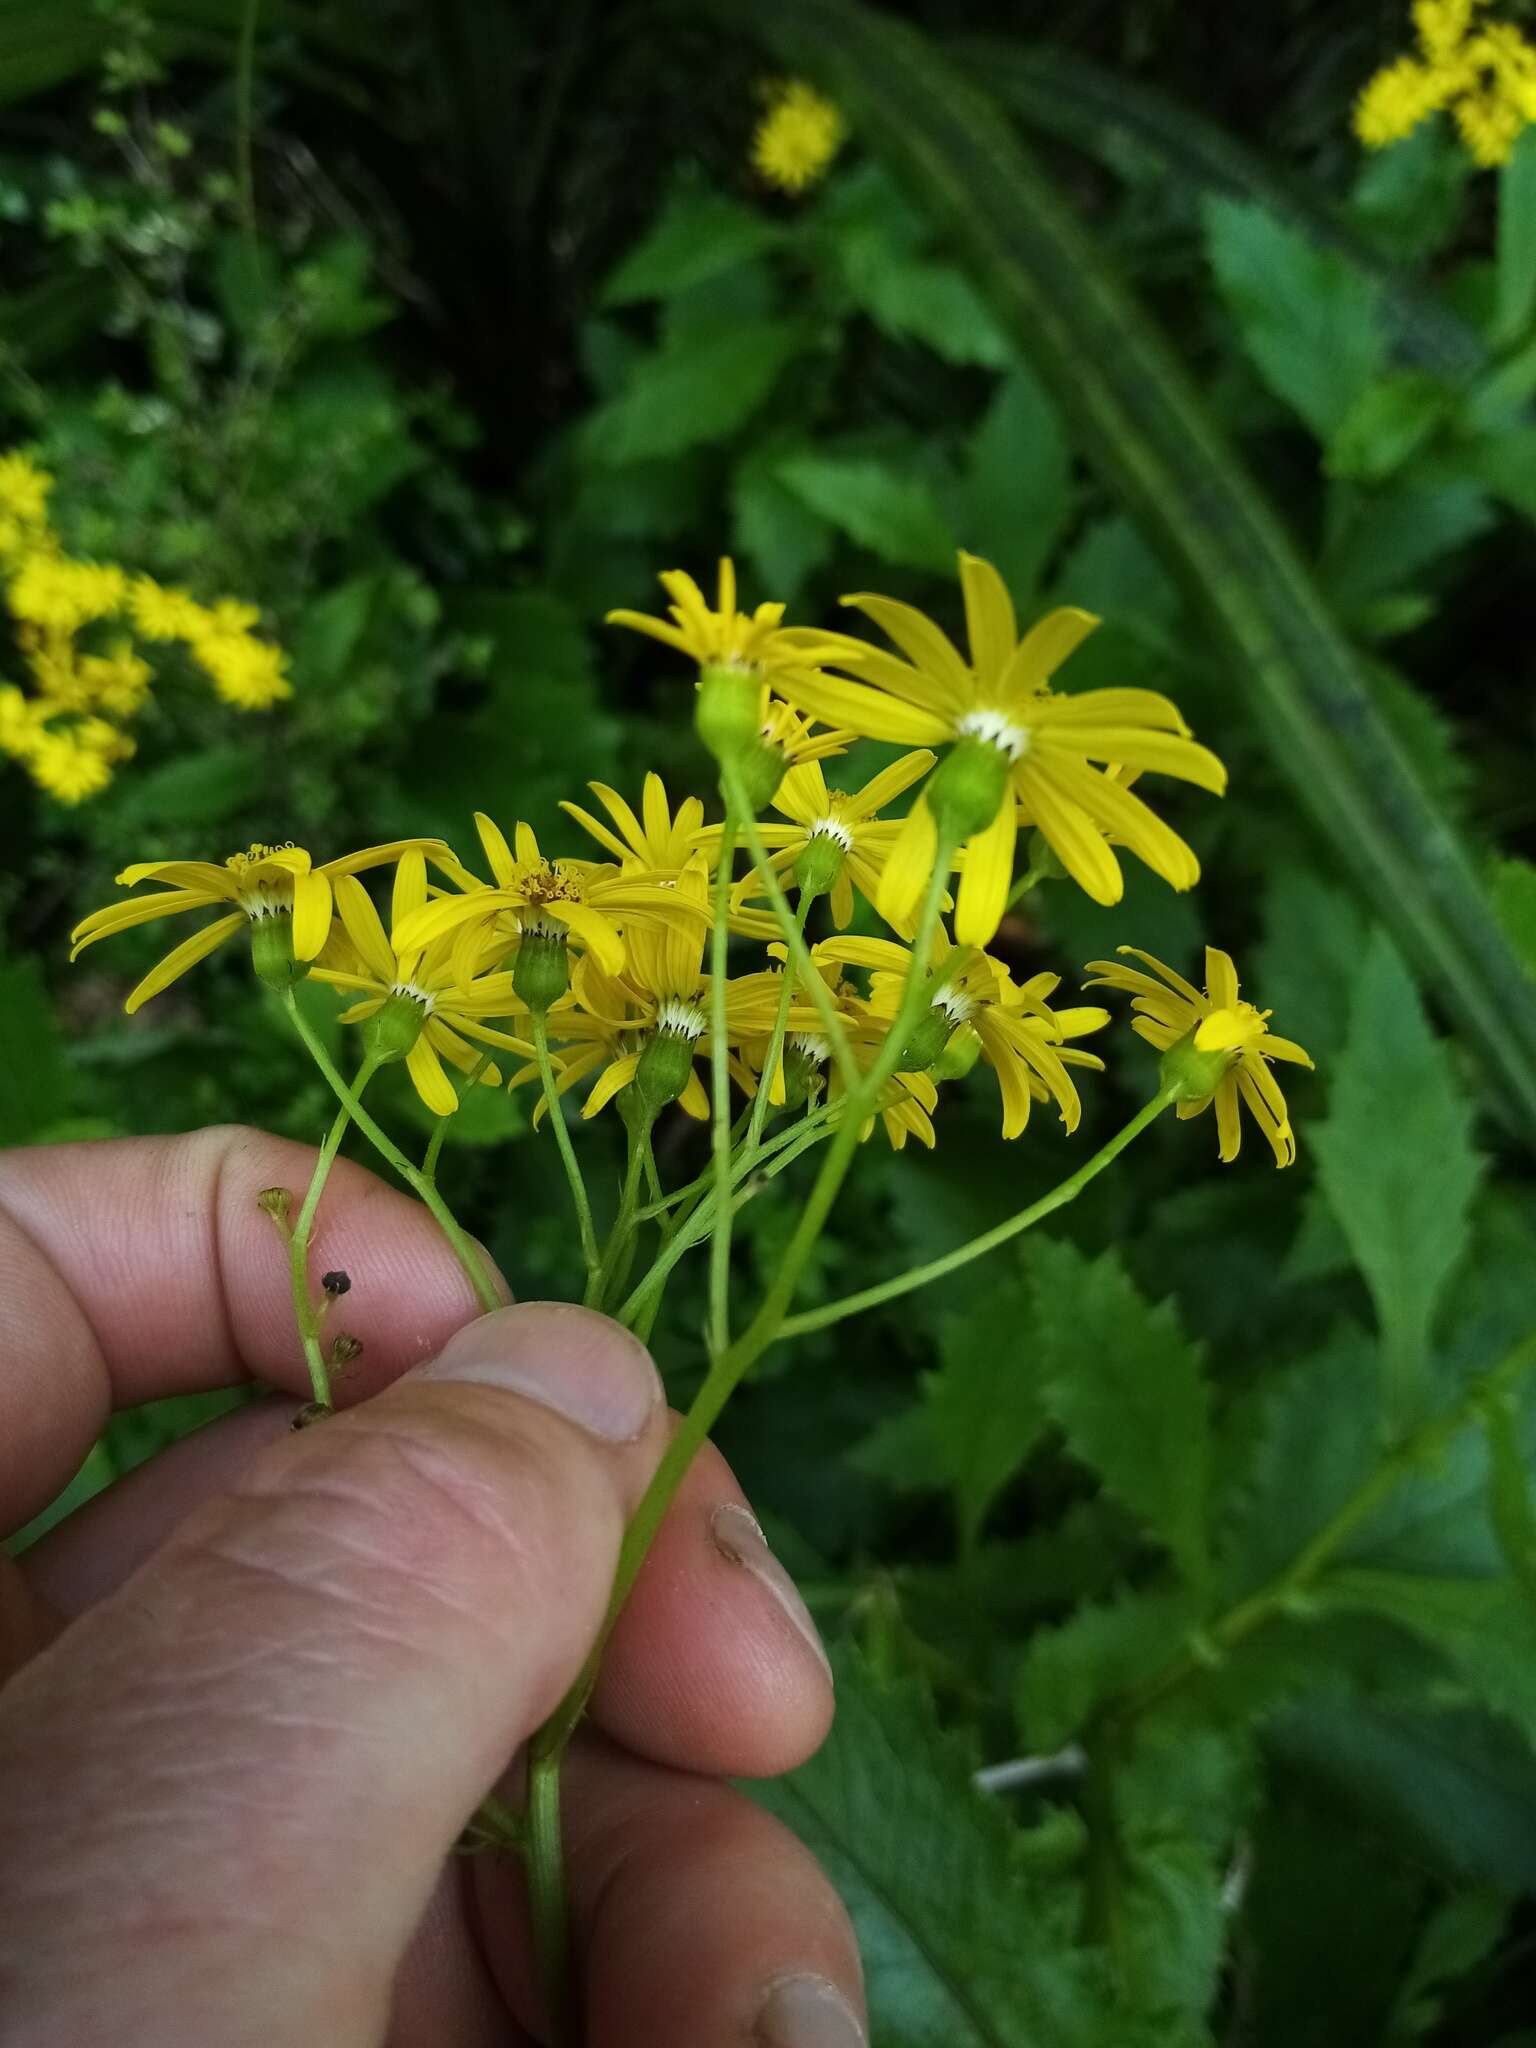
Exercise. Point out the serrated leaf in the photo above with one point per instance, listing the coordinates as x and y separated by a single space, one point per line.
1127 1389
960 1950
1514 905
913 298
1308 319
1482 1627
1015 491
884 509
1314 935
1101 1652
699 234
1389 421
700 388
1396 1159
984 1401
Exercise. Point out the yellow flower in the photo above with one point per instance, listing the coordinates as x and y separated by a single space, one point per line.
119 682
661 994
1020 1036
162 614
853 843
656 839
1394 102
724 637
1484 71
76 762
362 958
246 672
584 900
22 721
261 883
1040 744
49 590
797 138
24 491
1217 1021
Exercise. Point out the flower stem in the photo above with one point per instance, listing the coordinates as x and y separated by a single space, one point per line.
440 1133
618 1254
590 1257
794 937
464 1250
776 1038
718 1326
548 1906
989 1240
306 1313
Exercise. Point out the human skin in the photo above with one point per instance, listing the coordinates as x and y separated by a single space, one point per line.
250 1696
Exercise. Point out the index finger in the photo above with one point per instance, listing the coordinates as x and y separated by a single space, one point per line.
132 1268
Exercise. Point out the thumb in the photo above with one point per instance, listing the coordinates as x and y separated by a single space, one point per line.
226 1792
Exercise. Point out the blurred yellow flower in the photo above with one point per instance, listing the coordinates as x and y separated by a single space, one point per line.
1216 1021
1036 746
798 136
1483 71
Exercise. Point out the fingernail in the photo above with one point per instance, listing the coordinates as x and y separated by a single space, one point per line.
737 1536
806 2012
570 1359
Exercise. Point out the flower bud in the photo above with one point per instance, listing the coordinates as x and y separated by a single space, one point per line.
663 1072
958 1057
1191 1075
968 789
541 973
819 865
930 1035
804 1073
727 715
393 1030
272 953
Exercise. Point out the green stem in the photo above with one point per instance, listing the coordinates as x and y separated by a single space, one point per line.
618 1254
590 1257
718 1327
464 1249
776 1037
305 1313
794 937
1424 1447
440 1133
989 1240
549 1910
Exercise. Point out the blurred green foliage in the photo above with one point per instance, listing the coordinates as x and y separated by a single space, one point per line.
1159 1518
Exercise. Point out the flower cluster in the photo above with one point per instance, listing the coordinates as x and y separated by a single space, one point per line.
603 963
798 136
77 624
1483 71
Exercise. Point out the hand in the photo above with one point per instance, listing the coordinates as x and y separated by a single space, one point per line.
256 1690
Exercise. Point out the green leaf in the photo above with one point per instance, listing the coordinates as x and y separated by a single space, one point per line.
884 509
700 388
1461 1933
783 538
1409 200
332 630
36 1091
1127 1388
914 299
201 788
1015 492
1309 321
1314 938
1510 1507
1387 423
1392 538
960 1949
1514 903
1483 1628
1135 415
984 1401
1396 1160
699 234
1101 1652
1515 300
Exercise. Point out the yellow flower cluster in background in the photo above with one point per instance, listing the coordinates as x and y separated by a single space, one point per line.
798 136
76 624
1483 71
608 956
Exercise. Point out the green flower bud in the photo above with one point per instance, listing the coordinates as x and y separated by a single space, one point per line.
968 789
804 1077
958 1057
819 865
727 715
1193 1075
541 973
663 1072
930 1035
760 771
392 1030
272 953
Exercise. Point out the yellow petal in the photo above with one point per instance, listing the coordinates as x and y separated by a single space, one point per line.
1220 978
121 917
925 645
985 876
431 1083
909 866
1114 707
361 922
694 1100
616 1075
1282 1139
410 890
1132 746
311 914
989 618
186 955
596 932
1070 833
1135 824
1043 649
201 875
1228 1126
885 787
874 713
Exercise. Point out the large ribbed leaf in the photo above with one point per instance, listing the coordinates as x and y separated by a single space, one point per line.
1138 419
1100 112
